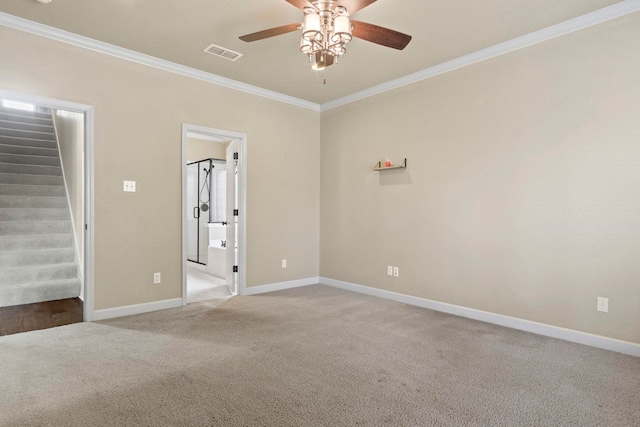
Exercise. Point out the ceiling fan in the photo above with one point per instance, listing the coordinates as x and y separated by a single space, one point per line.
327 28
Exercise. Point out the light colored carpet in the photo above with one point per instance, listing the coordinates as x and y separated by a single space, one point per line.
312 356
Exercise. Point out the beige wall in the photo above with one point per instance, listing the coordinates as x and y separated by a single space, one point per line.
70 131
199 149
522 195
139 113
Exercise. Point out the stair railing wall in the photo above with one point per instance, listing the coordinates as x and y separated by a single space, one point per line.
69 130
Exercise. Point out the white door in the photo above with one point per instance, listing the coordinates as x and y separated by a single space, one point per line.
232 220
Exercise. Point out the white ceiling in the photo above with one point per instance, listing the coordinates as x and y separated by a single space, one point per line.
179 31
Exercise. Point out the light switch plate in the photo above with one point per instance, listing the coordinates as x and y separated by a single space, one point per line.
130 186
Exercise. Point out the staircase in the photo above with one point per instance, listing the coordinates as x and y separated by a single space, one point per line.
37 248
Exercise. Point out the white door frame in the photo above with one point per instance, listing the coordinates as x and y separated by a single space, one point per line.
242 201
87 110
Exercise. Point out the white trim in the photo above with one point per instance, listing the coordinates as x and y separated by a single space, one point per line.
576 24
242 201
140 58
272 287
585 338
89 216
128 310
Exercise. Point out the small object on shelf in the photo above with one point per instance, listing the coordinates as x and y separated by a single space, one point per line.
389 165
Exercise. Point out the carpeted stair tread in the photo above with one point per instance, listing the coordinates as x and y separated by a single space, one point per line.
33 292
30 169
28 151
26 126
37 257
34 214
13 116
41 202
25 179
35 241
42 190
48 136
13 228
28 160
38 273
28 142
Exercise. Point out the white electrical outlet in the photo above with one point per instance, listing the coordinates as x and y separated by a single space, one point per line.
396 272
389 270
130 186
284 263
156 278
603 304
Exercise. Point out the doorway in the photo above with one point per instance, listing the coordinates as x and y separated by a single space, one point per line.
213 201
72 174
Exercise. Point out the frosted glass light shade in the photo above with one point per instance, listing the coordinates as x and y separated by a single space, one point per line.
305 46
341 29
311 26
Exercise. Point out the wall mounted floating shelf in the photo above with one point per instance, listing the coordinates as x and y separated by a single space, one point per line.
380 167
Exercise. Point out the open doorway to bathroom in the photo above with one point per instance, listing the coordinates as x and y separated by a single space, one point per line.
213 230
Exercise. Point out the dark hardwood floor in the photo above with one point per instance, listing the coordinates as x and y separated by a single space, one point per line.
42 315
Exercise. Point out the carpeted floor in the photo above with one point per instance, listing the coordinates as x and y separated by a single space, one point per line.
312 356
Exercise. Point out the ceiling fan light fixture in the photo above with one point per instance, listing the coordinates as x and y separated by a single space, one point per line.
311 26
318 61
338 49
326 29
306 46
341 29
318 66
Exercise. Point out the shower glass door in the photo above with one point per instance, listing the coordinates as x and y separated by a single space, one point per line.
198 212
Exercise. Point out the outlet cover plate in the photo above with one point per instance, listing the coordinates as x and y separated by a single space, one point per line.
157 278
603 304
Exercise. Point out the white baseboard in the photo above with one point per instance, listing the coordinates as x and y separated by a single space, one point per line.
585 338
127 310
272 287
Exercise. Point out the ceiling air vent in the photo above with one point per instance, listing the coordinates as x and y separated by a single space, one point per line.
222 52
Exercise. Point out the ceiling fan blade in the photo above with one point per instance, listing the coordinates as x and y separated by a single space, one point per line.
353 6
380 35
271 32
300 4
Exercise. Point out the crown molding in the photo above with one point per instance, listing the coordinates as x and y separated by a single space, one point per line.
617 10
140 58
